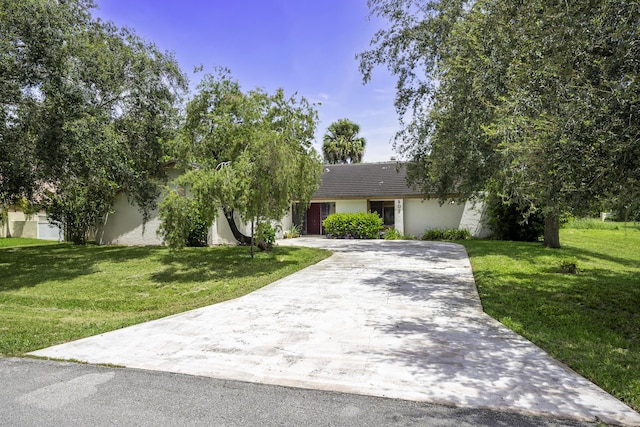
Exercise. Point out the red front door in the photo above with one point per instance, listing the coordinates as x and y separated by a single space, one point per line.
313 219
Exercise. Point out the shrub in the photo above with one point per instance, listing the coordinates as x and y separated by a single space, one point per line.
393 234
198 229
181 222
446 234
293 232
507 221
353 225
265 235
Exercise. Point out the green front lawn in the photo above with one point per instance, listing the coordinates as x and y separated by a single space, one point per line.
51 294
589 320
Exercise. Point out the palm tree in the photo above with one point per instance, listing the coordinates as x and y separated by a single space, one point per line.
342 143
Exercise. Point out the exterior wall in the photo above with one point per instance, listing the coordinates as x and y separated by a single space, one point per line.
34 226
124 226
284 224
474 219
399 216
351 206
421 215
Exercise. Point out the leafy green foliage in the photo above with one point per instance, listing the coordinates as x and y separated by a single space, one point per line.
446 234
342 143
536 99
293 232
245 152
359 225
85 108
509 222
181 221
266 234
393 234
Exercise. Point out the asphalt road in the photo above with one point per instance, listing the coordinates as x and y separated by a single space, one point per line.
48 393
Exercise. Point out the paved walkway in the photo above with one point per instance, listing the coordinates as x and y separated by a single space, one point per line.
383 318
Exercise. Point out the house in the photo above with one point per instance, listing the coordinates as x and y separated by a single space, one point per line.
382 188
361 187
15 223
124 224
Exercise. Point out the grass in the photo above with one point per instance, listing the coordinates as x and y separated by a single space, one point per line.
589 320
19 241
56 293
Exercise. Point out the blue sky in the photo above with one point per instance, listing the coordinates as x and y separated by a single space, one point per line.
303 46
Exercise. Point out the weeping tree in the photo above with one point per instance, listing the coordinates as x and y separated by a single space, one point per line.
342 143
535 100
86 107
247 153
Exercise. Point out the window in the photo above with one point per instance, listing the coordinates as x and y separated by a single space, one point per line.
386 210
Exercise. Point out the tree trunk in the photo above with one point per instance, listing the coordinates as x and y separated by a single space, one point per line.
252 242
552 230
241 238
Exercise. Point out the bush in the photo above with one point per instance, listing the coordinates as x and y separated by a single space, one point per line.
506 221
393 234
353 225
446 234
198 229
293 232
265 235
181 222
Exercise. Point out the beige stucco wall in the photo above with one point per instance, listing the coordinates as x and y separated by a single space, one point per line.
474 219
351 206
123 226
20 225
421 215
284 224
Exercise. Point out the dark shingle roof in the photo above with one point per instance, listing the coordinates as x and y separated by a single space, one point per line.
363 180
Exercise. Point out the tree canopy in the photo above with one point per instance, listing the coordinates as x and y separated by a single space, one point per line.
245 152
86 107
536 101
342 143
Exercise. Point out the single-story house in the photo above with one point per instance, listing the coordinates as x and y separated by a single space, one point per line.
360 187
382 188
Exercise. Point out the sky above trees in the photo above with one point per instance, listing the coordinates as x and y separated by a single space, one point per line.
307 47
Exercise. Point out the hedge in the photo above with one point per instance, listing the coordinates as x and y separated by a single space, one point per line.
353 225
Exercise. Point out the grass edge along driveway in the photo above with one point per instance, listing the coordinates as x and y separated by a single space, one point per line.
590 320
55 293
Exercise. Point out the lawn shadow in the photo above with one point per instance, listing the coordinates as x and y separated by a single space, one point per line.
220 263
28 266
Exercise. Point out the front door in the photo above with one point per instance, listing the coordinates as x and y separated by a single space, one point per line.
314 219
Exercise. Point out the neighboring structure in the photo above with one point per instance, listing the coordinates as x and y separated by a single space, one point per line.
359 187
36 226
382 188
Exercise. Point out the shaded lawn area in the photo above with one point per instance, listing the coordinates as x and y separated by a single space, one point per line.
589 320
52 294
20 241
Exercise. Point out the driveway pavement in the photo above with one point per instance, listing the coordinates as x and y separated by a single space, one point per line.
392 319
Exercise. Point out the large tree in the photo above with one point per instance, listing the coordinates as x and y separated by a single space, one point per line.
85 108
342 143
537 101
247 153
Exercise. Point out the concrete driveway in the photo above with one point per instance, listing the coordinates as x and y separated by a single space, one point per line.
396 319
